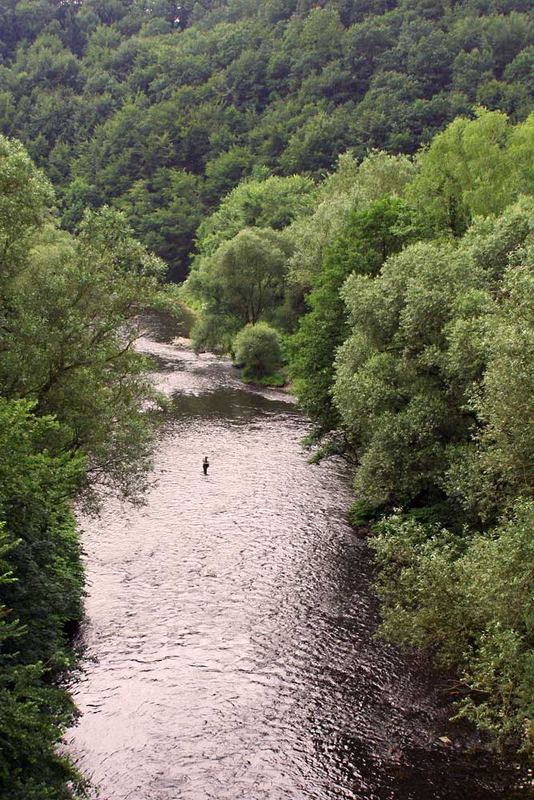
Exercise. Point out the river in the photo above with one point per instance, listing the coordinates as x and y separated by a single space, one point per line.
229 649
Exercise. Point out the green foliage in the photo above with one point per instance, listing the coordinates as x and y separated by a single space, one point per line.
502 468
225 170
368 238
25 197
269 202
69 322
242 282
37 478
508 386
69 342
118 99
475 167
257 349
361 513
40 591
164 213
33 716
351 187
471 599
416 352
434 388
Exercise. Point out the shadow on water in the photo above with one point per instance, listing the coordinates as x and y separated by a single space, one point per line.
165 327
230 648
233 405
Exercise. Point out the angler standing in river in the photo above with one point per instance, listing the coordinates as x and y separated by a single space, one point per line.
205 465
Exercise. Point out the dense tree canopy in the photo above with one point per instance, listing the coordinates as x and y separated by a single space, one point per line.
434 390
161 109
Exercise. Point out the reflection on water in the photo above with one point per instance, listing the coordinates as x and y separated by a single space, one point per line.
229 642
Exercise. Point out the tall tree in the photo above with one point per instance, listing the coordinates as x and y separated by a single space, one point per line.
366 241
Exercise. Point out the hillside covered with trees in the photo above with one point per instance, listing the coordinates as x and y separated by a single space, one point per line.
346 189
160 108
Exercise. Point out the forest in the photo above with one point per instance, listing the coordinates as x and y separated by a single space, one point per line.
344 191
160 108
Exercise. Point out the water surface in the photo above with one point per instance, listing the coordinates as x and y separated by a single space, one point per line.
229 648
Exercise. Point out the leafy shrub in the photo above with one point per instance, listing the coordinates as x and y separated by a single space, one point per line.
257 348
470 599
361 513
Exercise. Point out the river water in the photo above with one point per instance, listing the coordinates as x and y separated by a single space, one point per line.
229 649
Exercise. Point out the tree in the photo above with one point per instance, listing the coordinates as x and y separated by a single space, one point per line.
243 281
25 198
164 213
257 349
504 468
225 171
423 331
69 321
68 343
317 143
269 202
351 187
367 239
400 407
468 170
467 598
39 477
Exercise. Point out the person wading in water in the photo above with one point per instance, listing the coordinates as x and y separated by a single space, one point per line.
205 465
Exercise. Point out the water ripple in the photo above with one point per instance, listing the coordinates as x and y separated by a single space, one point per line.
229 641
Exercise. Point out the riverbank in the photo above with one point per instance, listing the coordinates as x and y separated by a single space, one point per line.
229 645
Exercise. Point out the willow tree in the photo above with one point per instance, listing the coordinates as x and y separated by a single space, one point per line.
242 283
474 167
69 323
367 239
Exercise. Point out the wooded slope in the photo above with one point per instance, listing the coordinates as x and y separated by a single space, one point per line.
160 108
